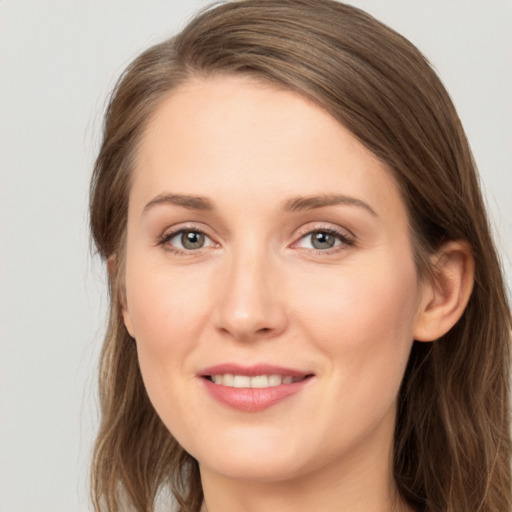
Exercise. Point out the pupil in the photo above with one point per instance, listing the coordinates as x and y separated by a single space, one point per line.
192 240
323 240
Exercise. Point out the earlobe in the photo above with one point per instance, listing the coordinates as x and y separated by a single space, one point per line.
112 268
446 295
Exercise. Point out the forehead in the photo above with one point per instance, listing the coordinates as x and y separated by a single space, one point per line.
229 135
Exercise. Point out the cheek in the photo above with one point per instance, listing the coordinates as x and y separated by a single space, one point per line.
165 308
363 325
167 311
363 318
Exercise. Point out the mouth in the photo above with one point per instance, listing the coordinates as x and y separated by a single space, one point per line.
256 382
254 388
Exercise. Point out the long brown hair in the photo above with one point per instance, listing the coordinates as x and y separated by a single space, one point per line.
452 441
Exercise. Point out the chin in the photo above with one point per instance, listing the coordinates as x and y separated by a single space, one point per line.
264 471
255 458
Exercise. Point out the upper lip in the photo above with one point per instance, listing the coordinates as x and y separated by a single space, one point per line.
252 371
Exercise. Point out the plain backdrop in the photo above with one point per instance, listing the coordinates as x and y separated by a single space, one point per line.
58 61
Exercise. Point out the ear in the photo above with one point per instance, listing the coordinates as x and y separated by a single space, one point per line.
445 296
120 291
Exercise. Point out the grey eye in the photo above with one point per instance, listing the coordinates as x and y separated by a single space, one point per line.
187 240
191 240
323 240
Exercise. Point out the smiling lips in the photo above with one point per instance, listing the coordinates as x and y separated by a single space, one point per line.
252 389
258 381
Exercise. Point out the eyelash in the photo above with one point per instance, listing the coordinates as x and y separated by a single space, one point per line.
166 237
345 240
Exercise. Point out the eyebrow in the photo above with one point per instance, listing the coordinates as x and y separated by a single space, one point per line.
186 201
294 204
301 203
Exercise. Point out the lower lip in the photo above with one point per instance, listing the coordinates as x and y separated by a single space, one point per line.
253 399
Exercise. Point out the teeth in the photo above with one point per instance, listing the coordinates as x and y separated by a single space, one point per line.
228 380
258 381
275 380
242 381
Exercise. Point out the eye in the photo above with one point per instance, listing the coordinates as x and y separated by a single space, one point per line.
186 240
324 239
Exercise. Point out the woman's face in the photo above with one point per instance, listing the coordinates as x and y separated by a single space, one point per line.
270 283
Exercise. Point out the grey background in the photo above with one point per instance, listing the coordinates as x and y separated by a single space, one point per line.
58 60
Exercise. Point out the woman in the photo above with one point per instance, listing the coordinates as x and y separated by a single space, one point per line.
307 310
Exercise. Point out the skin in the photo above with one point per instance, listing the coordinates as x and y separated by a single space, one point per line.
258 291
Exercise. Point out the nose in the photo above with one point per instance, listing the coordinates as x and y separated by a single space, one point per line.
250 302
